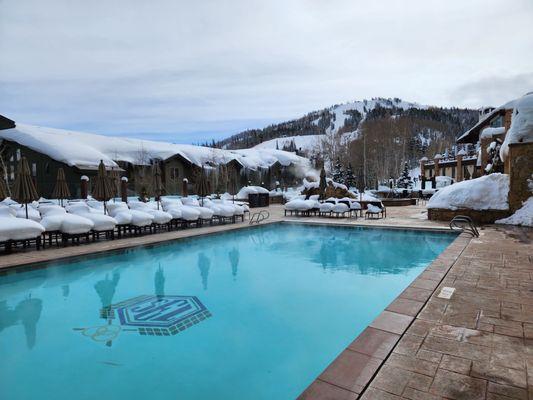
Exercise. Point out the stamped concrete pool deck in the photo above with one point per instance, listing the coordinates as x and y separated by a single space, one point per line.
475 345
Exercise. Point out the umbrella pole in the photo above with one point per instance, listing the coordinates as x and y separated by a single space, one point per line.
26 210
105 211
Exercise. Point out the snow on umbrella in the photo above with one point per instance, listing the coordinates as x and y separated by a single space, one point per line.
202 187
61 190
24 190
158 184
103 191
322 185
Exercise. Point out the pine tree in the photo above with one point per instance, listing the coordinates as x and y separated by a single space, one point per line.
405 181
349 177
338 173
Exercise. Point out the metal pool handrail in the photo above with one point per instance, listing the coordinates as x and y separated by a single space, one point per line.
258 217
464 223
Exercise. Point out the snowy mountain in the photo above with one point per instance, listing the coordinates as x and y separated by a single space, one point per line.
347 120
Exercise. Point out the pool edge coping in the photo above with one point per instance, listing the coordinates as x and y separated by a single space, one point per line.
35 258
352 371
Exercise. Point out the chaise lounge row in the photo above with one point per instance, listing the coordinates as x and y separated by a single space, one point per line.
332 207
50 223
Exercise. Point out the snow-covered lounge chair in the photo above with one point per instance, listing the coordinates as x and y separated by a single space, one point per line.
129 219
222 212
57 222
239 210
206 213
15 231
103 224
373 211
182 216
299 207
161 218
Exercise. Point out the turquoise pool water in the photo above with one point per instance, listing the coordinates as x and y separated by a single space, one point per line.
252 314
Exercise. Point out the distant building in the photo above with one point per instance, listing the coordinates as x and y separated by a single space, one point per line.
79 154
469 158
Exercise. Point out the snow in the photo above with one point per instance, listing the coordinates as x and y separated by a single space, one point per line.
522 216
305 143
488 192
490 132
85 150
12 228
521 129
245 191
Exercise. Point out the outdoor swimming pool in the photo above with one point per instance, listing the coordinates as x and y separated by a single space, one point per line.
250 314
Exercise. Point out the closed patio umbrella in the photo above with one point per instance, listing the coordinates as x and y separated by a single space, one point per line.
3 186
202 187
61 190
158 184
24 190
102 191
232 186
322 184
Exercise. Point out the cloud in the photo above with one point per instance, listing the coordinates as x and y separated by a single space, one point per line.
493 90
191 71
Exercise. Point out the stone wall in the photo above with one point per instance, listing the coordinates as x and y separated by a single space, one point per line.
520 170
478 216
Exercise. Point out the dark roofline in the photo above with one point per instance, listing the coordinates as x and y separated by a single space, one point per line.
472 135
6 123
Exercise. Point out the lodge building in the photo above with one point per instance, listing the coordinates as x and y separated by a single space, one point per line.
178 172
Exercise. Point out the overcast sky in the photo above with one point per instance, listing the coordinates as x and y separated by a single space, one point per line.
187 71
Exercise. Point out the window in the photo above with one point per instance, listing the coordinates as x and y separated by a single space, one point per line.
174 173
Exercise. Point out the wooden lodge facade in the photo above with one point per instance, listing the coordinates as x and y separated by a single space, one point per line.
465 163
174 170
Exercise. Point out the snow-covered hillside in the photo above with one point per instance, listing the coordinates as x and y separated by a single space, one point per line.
304 143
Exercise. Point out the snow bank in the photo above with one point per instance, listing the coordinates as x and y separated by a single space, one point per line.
487 192
85 150
490 132
521 124
522 216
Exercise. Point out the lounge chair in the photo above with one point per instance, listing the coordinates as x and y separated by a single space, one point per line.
299 207
139 221
160 219
57 222
373 211
18 231
206 213
103 224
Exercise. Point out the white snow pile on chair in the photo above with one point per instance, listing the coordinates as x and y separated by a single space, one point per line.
101 222
299 205
205 212
13 228
177 209
220 209
122 214
159 216
373 209
56 218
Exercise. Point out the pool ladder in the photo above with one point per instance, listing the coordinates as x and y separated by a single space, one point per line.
258 217
465 224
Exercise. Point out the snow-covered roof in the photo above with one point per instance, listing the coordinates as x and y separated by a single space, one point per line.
521 130
472 135
85 150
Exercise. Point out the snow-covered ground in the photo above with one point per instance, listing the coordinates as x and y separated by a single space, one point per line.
85 150
523 216
488 192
